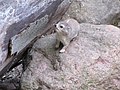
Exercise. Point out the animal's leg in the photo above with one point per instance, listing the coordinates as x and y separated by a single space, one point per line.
65 46
57 44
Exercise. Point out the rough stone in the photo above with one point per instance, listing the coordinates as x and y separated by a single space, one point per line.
22 20
91 62
95 11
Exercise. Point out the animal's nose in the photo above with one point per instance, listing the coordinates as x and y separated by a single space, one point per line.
55 25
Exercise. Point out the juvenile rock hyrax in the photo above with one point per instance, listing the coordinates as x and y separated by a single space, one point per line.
66 31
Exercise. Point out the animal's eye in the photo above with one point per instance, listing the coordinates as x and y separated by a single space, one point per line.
61 26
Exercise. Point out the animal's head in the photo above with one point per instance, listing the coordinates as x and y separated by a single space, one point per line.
62 27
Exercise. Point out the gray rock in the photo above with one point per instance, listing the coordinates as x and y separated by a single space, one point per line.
91 62
22 20
94 11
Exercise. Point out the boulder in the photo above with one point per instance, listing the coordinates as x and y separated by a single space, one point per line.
95 11
22 20
91 62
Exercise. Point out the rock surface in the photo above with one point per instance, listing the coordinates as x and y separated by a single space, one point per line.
22 20
91 62
95 11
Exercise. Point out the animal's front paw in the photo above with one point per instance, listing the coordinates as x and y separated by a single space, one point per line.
62 50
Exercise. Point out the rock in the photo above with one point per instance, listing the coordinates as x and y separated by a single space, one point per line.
116 20
91 62
47 46
22 20
96 12
11 80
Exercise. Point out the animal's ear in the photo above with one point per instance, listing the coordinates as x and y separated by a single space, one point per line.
68 27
